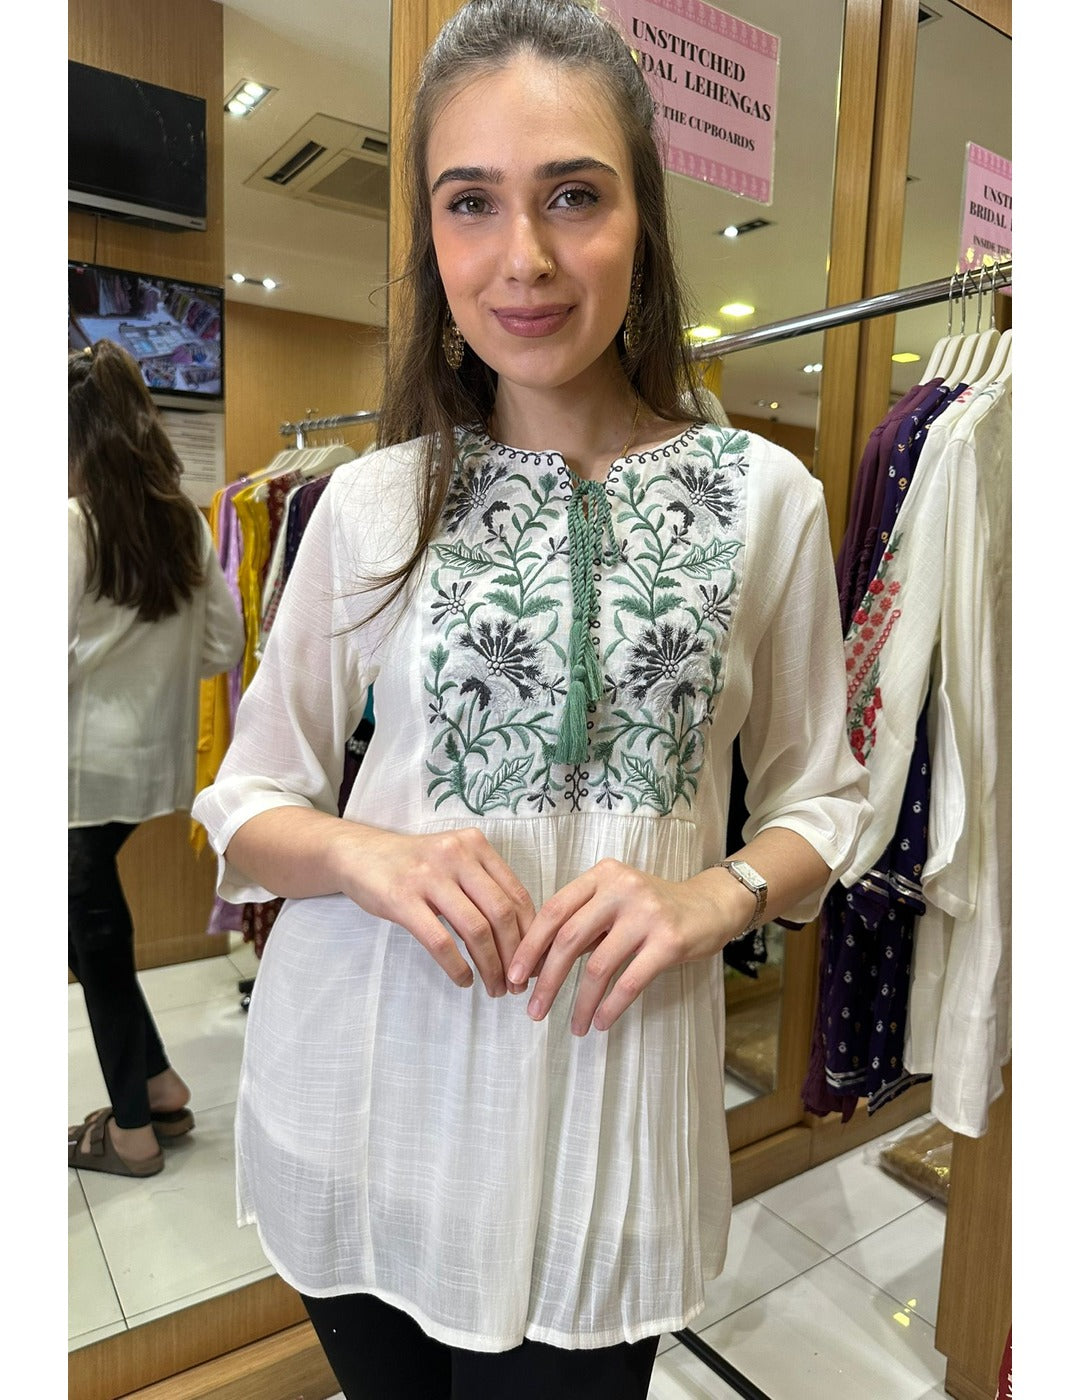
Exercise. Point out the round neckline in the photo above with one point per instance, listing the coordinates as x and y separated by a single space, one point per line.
554 456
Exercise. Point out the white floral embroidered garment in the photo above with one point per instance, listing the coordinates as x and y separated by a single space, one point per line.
495 1178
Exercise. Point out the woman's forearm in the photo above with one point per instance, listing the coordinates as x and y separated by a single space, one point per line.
788 862
296 851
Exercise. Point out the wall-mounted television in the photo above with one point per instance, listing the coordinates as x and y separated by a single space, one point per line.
136 151
174 329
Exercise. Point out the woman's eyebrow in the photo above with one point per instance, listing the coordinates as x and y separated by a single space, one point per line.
482 174
550 170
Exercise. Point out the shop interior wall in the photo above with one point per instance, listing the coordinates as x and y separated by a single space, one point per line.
279 366
283 366
178 46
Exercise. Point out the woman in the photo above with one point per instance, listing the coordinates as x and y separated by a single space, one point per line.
149 614
570 596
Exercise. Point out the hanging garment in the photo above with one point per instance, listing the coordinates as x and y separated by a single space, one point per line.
942 635
866 934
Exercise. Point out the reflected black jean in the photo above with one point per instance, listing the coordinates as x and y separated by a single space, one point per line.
101 954
379 1353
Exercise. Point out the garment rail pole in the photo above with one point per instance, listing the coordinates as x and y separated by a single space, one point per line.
960 284
322 425
740 1384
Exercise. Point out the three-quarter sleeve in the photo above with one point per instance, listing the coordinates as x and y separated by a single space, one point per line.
311 687
801 772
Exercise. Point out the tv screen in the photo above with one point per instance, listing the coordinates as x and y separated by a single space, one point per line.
136 151
173 329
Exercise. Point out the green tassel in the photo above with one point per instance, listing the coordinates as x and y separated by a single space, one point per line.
594 681
573 744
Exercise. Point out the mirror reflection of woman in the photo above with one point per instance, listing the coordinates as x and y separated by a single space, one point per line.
481 1120
149 615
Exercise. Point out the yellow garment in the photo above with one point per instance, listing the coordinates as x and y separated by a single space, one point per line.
254 516
214 728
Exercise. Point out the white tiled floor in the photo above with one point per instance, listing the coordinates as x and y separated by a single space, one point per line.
830 1288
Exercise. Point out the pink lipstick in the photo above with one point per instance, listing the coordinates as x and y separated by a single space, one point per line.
532 321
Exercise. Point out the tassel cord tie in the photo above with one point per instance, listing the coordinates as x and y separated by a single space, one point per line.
592 540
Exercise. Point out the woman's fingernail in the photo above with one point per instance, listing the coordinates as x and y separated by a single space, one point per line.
516 974
535 1009
515 988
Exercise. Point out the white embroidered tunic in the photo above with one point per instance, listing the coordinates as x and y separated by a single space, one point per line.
497 1178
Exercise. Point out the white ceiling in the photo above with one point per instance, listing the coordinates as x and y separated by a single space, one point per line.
331 57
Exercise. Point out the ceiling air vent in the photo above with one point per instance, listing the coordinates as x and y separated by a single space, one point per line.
308 152
332 163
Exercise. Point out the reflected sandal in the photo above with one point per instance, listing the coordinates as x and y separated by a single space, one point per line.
103 1156
172 1125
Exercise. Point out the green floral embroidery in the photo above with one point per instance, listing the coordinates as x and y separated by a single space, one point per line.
498 609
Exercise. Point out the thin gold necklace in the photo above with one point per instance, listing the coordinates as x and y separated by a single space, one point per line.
633 426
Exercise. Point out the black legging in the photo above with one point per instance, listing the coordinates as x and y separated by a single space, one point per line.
379 1353
101 954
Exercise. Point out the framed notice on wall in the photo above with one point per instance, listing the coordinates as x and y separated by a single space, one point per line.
715 79
199 442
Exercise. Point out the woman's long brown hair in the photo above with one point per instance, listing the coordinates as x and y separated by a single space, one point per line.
145 541
424 397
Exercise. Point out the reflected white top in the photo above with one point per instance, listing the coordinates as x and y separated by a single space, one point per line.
133 691
495 1178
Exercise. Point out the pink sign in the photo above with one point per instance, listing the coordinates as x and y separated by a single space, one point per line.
715 78
986 221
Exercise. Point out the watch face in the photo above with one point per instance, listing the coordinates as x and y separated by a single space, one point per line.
748 874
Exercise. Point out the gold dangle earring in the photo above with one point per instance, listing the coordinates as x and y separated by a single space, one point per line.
453 342
632 322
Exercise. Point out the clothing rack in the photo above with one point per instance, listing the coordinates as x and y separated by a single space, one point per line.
322 425
957 286
971 282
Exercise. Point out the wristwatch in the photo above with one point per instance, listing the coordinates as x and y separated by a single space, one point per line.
758 886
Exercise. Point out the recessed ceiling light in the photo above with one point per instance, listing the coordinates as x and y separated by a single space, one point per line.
811 369
246 96
267 282
737 308
750 226
906 357
703 333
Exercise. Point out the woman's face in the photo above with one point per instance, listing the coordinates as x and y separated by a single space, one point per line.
534 221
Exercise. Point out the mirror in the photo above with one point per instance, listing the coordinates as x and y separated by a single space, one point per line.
959 55
140 1251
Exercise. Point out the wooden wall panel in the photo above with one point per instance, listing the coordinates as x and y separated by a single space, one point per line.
188 1338
412 28
975 1309
851 192
283 365
176 45
888 198
996 13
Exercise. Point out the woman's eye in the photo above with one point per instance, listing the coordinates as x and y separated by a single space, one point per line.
576 198
468 204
